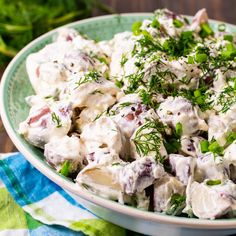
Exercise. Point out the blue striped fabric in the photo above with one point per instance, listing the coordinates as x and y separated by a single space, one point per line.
32 191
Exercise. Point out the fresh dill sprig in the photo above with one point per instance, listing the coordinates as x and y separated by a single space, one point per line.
56 119
148 139
96 91
134 81
180 46
65 168
89 77
100 115
148 98
119 83
157 83
124 59
172 142
177 203
227 98
125 104
200 97
147 45
114 110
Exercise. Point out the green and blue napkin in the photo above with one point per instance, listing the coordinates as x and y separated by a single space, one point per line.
32 205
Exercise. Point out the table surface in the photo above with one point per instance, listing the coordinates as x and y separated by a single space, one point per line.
223 10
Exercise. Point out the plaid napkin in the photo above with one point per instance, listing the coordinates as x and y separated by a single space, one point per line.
32 205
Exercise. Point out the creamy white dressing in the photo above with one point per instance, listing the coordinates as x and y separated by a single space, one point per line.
130 117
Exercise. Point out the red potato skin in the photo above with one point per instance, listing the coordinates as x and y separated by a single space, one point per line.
43 112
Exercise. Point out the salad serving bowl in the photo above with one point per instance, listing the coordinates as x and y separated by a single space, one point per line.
15 86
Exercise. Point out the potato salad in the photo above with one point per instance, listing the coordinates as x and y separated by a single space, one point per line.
147 119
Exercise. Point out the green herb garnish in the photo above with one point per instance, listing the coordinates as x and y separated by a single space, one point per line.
136 28
115 164
124 59
119 83
212 182
228 37
89 77
204 145
177 23
206 30
100 115
227 98
177 202
201 57
96 91
65 169
229 53
86 186
190 60
155 24
56 119
148 139
221 27
200 97
179 129
231 138
215 148
181 46
125 104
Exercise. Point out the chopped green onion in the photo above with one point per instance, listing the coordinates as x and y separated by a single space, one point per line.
201 57
199 98
65 169
206 30
136 28
166 45
228 37
179 129
212 182
197 93
204 146
145 33
173 145
221 27
119 83
186 21
231 138
178 23
230 47
215 148
115 164
155 24
190 60
226 54
229 53
137 63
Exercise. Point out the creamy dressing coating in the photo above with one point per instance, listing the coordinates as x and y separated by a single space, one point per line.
212 201
164 189
179 110
59 150
146 118
45 123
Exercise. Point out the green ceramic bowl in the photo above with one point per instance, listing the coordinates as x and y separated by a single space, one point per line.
15 87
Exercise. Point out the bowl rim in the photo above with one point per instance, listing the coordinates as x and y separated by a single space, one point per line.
83 193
